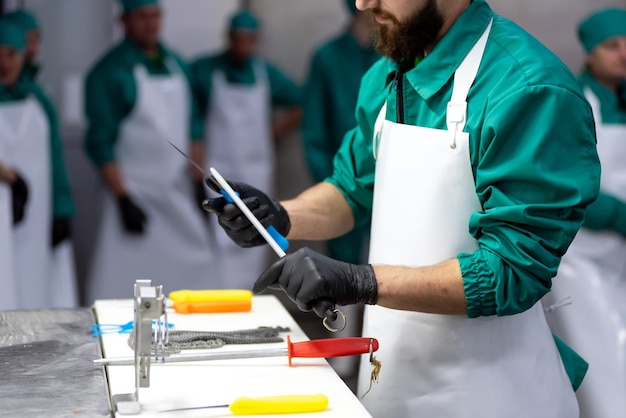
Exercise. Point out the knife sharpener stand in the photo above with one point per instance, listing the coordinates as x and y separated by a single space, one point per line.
149 309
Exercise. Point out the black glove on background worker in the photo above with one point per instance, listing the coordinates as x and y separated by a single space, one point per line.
133 217
19 192
307 277
200 194
61 230
237 226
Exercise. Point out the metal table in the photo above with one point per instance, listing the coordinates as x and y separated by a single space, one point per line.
46 365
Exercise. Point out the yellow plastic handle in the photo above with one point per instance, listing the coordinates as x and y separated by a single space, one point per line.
211 295
288 404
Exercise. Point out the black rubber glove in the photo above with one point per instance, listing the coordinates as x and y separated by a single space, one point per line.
19 192
199 193
237 226
310 279
61 230
133 218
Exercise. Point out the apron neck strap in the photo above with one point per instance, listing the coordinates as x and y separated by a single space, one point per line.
464 77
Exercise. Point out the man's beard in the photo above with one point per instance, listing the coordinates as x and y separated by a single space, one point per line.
407 40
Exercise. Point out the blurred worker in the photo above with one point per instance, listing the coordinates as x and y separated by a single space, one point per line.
459 158
593 272
137 99
28 23
35 199
328 104
235 91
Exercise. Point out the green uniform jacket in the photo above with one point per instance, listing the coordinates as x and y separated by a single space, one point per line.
534 174
111 92
533 198
30 71
329 99
608 212
283 91
62 204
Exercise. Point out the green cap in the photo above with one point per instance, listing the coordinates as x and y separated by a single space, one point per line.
130 5
12 35
25 20
601 26
351 5
244 20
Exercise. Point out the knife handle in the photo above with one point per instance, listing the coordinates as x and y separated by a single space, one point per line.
210 295
212 307
288 404
331 347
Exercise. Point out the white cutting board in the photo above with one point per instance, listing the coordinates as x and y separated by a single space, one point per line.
182 385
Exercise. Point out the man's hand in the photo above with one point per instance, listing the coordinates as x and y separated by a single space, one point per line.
19 192
61 230
308 278
237 226
133 217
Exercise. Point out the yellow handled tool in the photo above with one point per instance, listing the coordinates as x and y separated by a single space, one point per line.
230 295
287 404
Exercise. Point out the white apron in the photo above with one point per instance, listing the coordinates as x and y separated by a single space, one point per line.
448 366
25 134
174 249
593 274
239 145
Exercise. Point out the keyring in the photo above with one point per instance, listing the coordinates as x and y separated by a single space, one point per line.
371 350
330 328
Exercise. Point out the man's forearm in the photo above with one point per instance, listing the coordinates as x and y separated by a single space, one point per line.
7 175
288 122
112 177
434 289
319 213
196 153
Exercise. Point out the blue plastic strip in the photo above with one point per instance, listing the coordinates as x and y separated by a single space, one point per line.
280 240
227 196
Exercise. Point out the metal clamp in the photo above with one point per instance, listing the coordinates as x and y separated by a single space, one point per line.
149 307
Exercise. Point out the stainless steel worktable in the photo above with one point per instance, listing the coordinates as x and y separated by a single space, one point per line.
46 365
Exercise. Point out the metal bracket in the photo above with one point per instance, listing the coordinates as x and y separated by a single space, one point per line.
149 308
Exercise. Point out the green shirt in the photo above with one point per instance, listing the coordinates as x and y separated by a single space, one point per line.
30 71
534 175
62 204
330 97
111 92
608 212
283 91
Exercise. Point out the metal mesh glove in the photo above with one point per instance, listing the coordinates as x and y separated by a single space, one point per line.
133 217
19 194
236 225
308 278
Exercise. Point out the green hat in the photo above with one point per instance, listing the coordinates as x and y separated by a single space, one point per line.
601 26
12 35
25 20
130 5
244 20
351 5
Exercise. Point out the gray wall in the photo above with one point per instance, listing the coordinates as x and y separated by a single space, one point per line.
76 32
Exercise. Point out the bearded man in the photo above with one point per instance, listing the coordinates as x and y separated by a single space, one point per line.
459 157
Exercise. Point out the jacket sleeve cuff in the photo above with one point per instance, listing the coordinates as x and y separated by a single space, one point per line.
479 285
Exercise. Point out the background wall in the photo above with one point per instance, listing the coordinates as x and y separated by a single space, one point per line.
76 32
